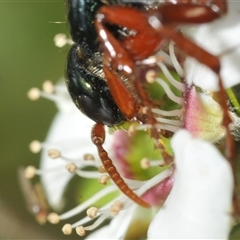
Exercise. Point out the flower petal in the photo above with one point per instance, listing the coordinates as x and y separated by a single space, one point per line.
217 37
200 201
203 116
71 134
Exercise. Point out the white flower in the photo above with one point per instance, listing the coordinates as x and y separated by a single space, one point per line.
219 38
199 205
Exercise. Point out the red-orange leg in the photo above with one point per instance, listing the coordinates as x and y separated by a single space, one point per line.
155 133
98 138
122 96
211 61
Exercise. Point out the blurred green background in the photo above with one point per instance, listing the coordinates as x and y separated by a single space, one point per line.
27 58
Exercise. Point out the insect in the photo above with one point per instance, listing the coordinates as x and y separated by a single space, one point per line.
86 82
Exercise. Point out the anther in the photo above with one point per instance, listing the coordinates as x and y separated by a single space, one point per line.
132 130
92 212
145 163
102 169
150 76
71 167
54 153
30 172
34 94
61 40
35 146
116 208
67 229
104 179
80 231
48 87
53 218
88 156
143 110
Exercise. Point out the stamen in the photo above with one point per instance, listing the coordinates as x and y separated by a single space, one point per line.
178 85
151 76
146 163
169 92
116 208
35 94
53 218
132 130
172 122
48 87
80 231
88 156
166 58
102 169
143 110
174 60
61 40
144 127
167 127
172 113
67 229
31 171
71 167
88 203
54 153
150 61
97 222
159 126
104 179
92 212
35 146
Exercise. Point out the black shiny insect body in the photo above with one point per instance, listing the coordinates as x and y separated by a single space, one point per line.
88 89
85 78
81 24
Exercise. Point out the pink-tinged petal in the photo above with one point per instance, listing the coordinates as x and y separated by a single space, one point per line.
157 195
203 116
217 38
120 149
199 205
